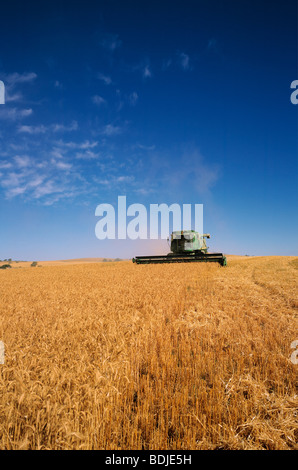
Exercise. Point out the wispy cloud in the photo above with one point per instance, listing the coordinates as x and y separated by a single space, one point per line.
166 64
110 130
110 41
13 97
57 153
143 147
77 145
133 98
41 129
115 181
164 173
15 78
147 71
99 100
184 60
105 78
88 145
33 178
22 161
61 165
87 155
14 114
19 182
50 170
144 68
49 188
214 48
4 165
63 128
124 179
212 44
58 85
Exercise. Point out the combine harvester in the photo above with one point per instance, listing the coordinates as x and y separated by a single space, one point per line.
187 246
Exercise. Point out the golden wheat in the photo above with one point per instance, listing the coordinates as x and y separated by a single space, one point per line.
120 356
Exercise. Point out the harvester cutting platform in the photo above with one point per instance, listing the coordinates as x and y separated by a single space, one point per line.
187 246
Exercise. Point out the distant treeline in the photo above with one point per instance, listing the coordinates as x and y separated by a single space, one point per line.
10 260
7 263
105 260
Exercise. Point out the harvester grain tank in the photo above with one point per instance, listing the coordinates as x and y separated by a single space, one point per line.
187 246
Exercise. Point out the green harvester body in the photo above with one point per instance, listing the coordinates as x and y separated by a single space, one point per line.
186 246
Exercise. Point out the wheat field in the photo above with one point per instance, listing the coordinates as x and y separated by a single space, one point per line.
160 357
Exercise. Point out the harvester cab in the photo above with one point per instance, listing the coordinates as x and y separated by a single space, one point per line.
188 241
186 246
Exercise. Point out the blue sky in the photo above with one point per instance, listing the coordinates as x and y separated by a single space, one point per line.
164 102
